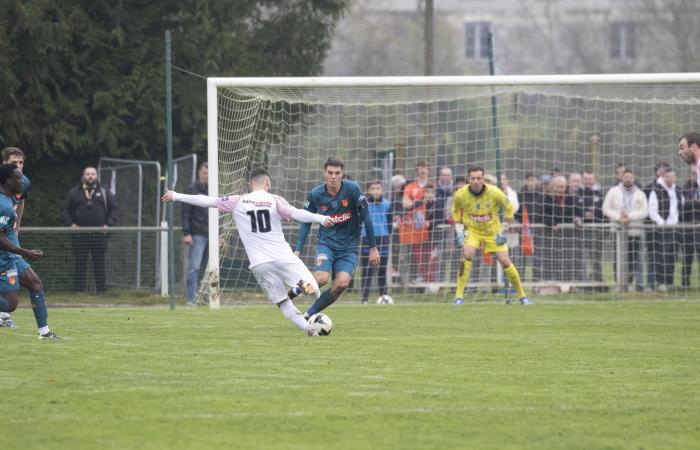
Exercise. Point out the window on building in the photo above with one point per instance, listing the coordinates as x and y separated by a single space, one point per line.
477 39
622 40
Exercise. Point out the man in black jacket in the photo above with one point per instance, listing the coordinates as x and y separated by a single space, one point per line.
89 205
690 237
665 209
590 203
195 231
561 262
649 234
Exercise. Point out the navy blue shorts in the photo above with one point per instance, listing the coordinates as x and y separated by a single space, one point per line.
334 261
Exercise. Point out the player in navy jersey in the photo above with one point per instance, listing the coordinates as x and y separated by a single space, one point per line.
14 155
336 250
14 270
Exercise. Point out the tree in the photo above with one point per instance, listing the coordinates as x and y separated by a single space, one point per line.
84 78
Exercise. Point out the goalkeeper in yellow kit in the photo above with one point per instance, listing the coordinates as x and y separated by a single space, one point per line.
475 214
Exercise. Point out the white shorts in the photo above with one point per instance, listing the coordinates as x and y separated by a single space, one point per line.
276 277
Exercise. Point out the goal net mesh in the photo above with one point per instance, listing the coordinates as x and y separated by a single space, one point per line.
545 132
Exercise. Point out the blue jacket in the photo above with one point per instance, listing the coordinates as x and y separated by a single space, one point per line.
380 211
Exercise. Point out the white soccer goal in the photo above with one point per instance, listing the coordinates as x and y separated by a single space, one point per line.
511 125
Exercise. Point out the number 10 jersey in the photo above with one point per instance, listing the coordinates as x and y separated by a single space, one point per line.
258 216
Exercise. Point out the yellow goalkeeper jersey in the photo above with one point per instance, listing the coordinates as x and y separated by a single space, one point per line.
479 213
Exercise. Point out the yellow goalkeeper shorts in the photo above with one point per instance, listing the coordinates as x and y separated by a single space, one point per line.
475 240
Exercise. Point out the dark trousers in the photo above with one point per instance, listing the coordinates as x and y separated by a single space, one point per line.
634 270
94 246
650 237
592 246
368 273
690 242
664 256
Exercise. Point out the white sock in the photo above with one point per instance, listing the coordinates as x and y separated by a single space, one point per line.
5 315
292 314
44 330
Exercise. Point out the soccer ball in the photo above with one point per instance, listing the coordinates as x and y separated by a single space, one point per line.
385 300
322 323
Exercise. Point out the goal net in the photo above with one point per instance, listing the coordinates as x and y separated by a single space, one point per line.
555 141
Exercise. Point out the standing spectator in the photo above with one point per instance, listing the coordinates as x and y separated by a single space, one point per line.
591 203
460 182
531 199
445 185
195 232
574 187
434 217
649 233
558 246
380 211
89 205
665 206
454 251
412 230
398 182
627 205
690 237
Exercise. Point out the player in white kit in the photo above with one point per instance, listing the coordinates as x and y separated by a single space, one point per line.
689 151
258 216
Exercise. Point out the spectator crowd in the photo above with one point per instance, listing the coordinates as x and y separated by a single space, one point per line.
568 225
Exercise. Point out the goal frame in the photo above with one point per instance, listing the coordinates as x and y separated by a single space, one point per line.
213 83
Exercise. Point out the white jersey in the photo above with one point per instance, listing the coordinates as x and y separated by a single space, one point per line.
258 216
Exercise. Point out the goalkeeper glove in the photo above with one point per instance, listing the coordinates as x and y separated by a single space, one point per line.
460 234
501 238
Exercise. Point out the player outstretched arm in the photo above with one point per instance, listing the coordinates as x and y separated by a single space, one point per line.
303 216
197 200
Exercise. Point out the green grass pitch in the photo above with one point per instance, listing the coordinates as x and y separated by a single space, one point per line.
622 375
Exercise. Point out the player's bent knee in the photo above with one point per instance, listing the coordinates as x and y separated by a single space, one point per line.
321 278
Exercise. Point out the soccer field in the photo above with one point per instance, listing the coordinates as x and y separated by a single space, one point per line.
574 375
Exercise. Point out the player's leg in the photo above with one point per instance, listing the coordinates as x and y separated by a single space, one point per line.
465 268
270 277
343 265
512 274
30 280
8 303
9 286
367 274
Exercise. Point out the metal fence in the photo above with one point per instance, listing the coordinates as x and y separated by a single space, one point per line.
72 257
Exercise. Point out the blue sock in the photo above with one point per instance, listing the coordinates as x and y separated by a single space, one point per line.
39 308
324 301
4 305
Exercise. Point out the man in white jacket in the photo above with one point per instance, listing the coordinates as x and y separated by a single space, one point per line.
626 205
665 206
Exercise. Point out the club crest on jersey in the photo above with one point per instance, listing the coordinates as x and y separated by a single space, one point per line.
478 206
334 204
344 202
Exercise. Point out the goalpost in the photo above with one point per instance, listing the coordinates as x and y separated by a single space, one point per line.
546 125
